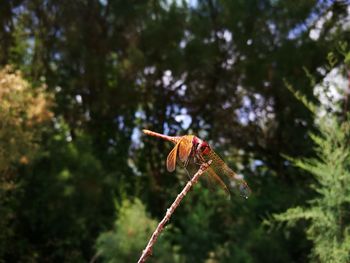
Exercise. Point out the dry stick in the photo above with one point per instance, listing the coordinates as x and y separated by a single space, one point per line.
148 250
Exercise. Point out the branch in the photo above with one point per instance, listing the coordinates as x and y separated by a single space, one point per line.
148 250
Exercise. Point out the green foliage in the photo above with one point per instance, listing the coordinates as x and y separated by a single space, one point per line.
327 213
59 196
131 232
197 215
24 112
308 104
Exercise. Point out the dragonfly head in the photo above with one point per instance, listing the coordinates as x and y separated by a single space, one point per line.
200 146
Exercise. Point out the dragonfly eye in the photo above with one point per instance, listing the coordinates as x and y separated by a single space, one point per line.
204 148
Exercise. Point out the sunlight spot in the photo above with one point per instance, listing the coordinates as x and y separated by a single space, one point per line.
79 99
167 78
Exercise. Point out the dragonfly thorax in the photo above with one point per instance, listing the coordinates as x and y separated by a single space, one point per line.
200 146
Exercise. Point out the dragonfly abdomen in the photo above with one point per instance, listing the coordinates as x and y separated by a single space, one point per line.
173 139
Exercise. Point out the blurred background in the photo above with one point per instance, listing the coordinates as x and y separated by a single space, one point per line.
79 80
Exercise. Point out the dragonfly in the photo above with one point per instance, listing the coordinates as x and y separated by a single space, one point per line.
190 148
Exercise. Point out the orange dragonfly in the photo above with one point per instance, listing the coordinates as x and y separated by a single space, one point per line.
190 147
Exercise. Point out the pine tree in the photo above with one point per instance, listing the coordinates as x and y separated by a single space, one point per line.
327 214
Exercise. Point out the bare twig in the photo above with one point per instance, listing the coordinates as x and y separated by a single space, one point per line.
94 258
148 250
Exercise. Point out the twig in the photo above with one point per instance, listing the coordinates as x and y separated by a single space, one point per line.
148 250
94 258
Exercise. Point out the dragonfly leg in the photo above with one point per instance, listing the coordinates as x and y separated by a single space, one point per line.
184 165
201 159
188 174
197 161
187 162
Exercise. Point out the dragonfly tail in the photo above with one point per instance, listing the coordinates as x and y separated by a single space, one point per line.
173 139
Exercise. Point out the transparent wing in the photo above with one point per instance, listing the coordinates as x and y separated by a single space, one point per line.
213 177
228 177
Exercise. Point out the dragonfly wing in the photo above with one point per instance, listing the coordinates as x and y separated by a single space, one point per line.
229 177
214 177
171 159
185 148
235 182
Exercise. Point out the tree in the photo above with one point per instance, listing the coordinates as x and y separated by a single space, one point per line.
326 214
131 232
24 113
